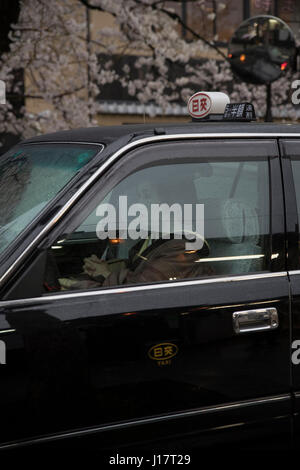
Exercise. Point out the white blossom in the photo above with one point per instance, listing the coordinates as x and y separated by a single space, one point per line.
63 71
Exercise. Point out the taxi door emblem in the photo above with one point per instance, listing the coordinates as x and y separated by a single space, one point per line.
162 353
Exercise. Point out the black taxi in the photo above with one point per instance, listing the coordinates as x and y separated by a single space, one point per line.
145 342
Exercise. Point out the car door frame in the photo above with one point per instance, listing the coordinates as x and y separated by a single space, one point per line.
293 269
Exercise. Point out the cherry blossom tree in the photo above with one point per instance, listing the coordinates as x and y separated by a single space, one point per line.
53 45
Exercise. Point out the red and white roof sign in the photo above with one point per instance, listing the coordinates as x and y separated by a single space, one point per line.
199 105
203 103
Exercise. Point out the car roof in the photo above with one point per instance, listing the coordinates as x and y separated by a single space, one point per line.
109 134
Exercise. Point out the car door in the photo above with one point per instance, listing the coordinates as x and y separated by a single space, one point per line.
194 354
291 173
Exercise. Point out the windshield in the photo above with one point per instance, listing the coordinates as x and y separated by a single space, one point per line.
32 175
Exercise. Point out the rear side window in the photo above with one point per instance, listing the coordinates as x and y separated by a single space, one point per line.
228 182
291 149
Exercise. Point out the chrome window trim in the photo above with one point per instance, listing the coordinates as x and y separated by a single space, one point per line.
43 142
129 289
115 156
142 421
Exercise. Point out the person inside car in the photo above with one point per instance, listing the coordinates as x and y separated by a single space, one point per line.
160 260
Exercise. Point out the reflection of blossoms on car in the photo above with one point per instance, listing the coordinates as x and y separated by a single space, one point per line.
12 229
14 175
29 178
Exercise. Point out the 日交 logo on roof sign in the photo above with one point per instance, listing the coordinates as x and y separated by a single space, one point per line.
199 105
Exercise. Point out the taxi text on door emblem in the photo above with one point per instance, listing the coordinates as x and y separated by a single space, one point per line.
163 353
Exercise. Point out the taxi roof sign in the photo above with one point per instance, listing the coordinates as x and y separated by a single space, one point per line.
201 104
239 112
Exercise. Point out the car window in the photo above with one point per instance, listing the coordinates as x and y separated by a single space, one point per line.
30 176
214 219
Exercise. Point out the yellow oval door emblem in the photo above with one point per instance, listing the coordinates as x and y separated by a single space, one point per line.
163 351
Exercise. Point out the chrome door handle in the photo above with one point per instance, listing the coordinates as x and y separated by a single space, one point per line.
261 319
